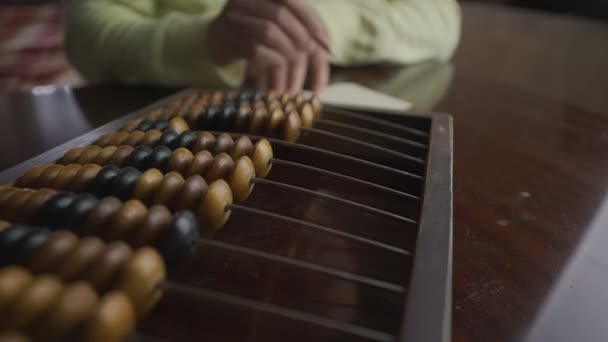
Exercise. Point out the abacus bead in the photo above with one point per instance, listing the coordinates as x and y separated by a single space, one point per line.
10 241
13 281
30 176
185 139
141 277
145 125
206 120
180 160
160 157
130 126
113 320
275 122
83 177
225 120
288 107
124 183
200 163
35 301
192 191
102 141
154 115
13 336
88 252
223 143
262 158
212 211
13 209
121 154
285 98
221 168
156 221
65 176
272 105
241 122
179 125
242 147
78 211
47 176
204 142
101 184
178 243
127 220
299 100
31 244
258 121
160 124
148 183
51 254
75 306
168 137
37 200
110 265
118 138
151 137
106 155
170 186
135 138
291 130
307 115
241 179
316 105
89 154
97 219
4 225
139 157
72 155
53 212
6 195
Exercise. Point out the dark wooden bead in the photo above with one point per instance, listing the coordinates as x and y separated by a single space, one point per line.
29 245
139 157
54 212
206 120
53 252
167 137
78 211
225 120
145 125
204 142
223 143
101 184
98 218
160 157
185 139
160 124
124 184
178 243
10 241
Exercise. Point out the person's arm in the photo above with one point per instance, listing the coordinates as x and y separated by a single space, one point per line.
393 31
110 40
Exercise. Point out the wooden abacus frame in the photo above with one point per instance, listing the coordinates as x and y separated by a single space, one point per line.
427 311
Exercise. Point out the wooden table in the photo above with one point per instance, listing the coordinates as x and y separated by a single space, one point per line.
530 176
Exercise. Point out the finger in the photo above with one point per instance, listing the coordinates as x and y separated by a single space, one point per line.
311 21
297 73
270 69
257 30
319 71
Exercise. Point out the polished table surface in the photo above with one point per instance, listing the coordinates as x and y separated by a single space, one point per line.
530 179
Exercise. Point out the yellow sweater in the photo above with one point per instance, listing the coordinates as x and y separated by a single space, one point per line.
163 41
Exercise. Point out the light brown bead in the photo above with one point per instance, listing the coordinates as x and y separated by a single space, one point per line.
151 137
4 225
118 138
179 125
89 155
262 158
169 188
47 176
126 221
147 184
103 158
130 125
141 277
213 212
83 257
180 160
135 138
299 100
97 219
272 105
192 192
154 115
65 176
223 144
14 206
30 176
221 168
102 141
113 320
53 252
242 147
120 155
217 97
109 266
83 177
37 298
36 200
243 117
241 179
156 221
6 195
291 130
204 142
317 107
200 164
289 107
258 121
275 122
76 305
307 115
72 155
285 98
13 281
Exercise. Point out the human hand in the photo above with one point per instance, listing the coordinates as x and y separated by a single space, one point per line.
280 40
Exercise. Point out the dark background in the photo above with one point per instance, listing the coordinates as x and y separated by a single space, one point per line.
588 8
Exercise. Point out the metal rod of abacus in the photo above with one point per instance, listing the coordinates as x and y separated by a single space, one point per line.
347 113
335 199
321 228
372 132
333 272
292 314
363 143
278 161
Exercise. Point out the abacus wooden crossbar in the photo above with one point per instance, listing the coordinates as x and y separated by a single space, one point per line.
233 216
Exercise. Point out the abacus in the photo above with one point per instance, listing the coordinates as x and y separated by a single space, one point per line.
231 216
